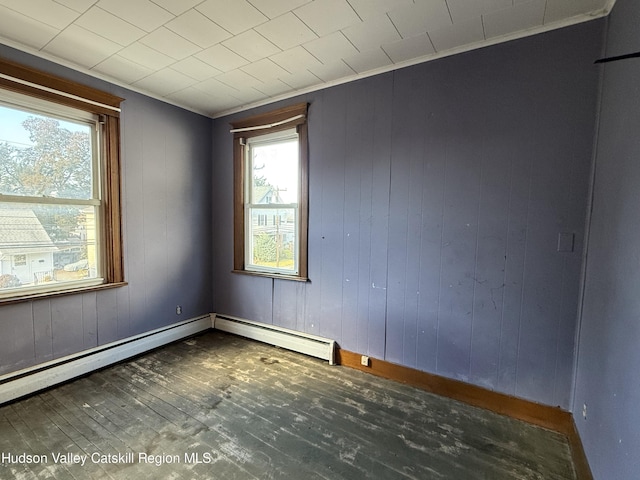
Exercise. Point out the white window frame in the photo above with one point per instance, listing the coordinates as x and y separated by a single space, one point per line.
249 208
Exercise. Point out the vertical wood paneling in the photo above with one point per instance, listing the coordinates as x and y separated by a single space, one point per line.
90 320
332 168
355 127
107 314
17 339
317 144
67 325
405 202
43 341
433 181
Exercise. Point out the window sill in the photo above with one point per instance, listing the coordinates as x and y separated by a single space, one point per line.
278 276
72 291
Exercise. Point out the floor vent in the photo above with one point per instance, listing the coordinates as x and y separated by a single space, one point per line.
311 345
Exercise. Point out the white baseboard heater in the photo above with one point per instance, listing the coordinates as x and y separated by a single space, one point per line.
308 344
30 380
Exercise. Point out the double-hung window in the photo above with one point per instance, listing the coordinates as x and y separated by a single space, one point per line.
271 194
59 186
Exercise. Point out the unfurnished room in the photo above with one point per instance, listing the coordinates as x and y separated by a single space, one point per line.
333 239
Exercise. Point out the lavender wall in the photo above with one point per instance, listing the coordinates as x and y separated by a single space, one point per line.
607 378
166 161
437 194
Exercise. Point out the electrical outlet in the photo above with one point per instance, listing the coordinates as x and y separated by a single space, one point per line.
364 360
584 411
178 310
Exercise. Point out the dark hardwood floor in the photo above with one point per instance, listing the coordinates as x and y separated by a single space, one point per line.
218 406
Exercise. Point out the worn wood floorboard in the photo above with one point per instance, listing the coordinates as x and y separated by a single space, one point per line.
218 406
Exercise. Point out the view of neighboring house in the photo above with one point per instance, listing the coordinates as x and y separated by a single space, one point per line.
26 250
276 221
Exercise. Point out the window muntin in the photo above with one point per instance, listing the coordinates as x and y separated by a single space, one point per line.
271 209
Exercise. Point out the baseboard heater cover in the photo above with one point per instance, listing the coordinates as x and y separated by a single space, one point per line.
308 344
33 379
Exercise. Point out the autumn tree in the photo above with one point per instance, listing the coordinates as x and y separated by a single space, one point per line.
57 164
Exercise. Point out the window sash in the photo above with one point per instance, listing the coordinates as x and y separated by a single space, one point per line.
55 96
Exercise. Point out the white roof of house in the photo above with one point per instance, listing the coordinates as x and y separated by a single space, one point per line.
21 233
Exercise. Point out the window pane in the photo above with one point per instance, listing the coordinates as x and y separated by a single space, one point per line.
273 238
46 244
275 172
44 156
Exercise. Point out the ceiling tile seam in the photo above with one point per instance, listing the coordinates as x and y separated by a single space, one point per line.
171 13
100 35
446 2
88 8
394 25
355 11
263 13
248 60
231 33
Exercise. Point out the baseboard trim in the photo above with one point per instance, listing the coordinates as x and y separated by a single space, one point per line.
25 382
580 462
535 413
545 416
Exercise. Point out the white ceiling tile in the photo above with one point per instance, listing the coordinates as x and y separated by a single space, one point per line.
79 6
165 82
222 58
236 16
265 69
197 28
170 43
372 33
560 9
201 101
464 32
251 45
519 17
273 87
71 45
122 69
332 71
372 8
420 17
301 79
196 68
238 79
23 29
250 95
275 8
408 48
327 16
465 9
286 31
146 56
328 49
109 26
45 11
295 59
142 13
369 60
214 87
177 7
